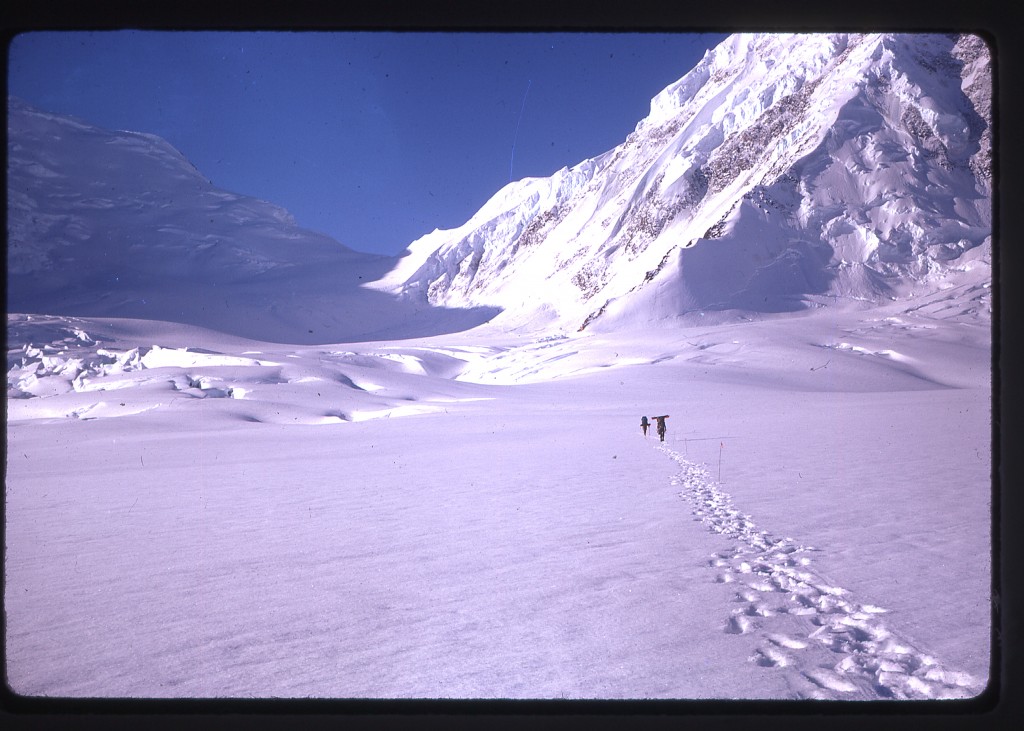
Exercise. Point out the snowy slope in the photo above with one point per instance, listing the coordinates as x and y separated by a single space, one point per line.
782 171
120 224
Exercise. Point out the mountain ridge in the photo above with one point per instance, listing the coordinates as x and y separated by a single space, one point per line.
782 172
742 151
119 224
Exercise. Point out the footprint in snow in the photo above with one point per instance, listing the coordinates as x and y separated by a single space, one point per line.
833 646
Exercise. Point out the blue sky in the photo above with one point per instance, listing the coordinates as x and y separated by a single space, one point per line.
373 138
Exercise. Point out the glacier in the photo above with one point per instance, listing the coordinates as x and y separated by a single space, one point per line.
244 460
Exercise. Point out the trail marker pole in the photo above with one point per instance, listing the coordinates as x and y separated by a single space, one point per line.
721 446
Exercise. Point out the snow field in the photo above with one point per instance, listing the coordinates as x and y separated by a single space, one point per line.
478 515
533 564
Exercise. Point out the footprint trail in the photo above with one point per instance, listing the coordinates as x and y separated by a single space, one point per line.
830 645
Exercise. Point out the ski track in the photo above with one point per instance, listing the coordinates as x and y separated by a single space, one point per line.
831 646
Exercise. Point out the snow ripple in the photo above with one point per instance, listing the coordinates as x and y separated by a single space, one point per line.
832 646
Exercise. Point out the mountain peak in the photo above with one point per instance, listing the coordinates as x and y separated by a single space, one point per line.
782 172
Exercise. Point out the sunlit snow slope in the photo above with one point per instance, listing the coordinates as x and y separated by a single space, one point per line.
783 171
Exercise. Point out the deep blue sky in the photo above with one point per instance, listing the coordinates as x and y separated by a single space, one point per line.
373 138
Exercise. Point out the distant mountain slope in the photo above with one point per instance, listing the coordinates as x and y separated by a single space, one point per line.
781 172
119 224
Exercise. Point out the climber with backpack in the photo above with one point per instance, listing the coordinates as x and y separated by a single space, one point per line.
661 426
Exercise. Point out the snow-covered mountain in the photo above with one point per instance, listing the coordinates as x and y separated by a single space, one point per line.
120 224
783 171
